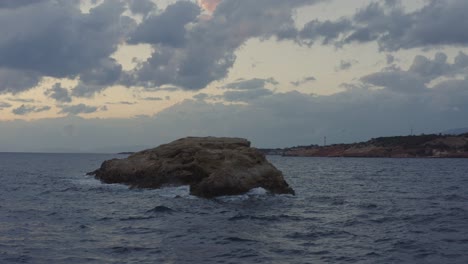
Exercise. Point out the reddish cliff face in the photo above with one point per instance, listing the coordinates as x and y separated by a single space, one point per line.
436 146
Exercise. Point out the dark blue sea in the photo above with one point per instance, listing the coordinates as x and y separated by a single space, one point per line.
345 211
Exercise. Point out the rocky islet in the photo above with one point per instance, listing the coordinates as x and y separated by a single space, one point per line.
210 166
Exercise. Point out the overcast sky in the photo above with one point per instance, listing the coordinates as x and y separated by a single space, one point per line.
118 75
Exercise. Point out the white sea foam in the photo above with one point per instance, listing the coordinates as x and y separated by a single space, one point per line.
92 183
253 193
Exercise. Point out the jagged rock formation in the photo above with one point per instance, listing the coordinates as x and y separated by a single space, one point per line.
211 166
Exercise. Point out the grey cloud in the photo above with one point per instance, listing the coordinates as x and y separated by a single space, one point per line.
4 105
246 95
18 3
21 100
58 93
256 83
345 65
167 28
209 46
78 109
304 81
390 58
437 23
15 81
169 89
106 72
94 80
152 99
53 38
422 71
461 60
397 81
121 103
27 109
143 7
87 90
285 33
327 30
430 69
201 96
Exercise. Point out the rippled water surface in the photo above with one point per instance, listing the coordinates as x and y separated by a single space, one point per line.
345 211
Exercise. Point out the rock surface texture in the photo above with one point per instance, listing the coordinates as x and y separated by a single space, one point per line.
211 166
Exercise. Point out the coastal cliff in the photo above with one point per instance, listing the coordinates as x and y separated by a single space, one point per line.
422 146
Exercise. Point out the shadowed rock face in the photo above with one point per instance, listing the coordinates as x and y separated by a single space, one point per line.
211 166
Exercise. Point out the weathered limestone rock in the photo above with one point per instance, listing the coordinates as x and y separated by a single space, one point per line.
211 166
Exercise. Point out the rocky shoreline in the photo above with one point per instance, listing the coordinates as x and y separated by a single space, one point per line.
422 146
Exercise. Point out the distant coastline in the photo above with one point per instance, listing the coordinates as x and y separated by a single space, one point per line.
421 146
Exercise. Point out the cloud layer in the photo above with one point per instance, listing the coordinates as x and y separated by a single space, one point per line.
191 52
437 23
55 39
275 120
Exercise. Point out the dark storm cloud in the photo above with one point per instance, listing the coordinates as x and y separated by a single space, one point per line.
437 23
27 109
54 38
78 109
193 56
58 93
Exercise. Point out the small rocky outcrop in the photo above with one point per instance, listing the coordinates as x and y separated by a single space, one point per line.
211 166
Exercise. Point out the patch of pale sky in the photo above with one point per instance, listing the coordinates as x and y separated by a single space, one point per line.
129 55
